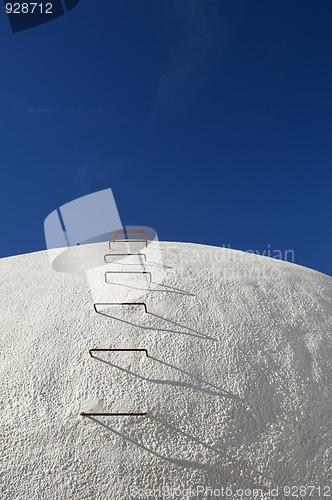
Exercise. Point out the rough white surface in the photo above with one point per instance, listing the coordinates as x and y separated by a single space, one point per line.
237 386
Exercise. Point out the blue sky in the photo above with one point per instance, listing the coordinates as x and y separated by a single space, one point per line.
211 121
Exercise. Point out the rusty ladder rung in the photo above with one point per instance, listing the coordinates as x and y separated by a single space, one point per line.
120 304
134 414
102 349
129 241
129 231
123 255
127 272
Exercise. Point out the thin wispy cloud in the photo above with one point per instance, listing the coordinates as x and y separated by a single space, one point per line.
83 177
200 35
59 111
35 110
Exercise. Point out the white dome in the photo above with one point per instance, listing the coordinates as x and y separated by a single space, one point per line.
237 385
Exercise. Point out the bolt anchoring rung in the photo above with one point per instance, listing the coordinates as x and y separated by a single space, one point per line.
127 272
120 304
135 414
97 349
123 255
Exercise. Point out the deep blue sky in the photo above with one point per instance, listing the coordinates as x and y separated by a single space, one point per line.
210 120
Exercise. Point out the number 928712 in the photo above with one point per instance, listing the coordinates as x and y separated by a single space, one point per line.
29 8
